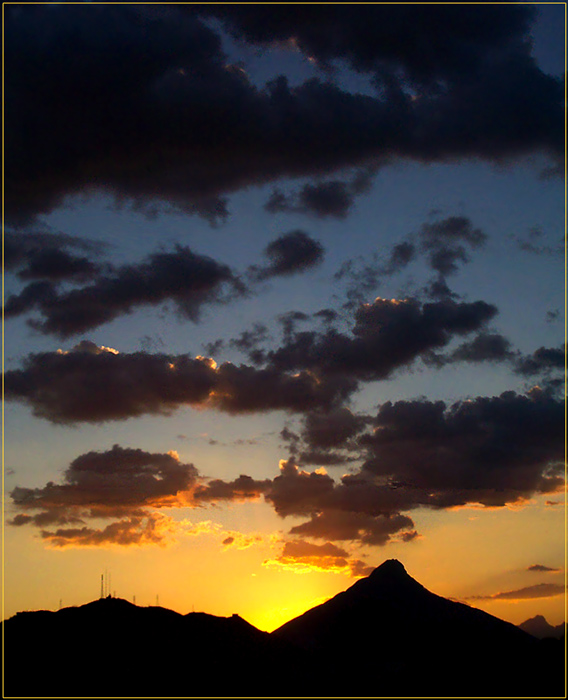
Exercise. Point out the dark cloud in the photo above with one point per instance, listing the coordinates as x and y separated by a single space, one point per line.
141 102
95 384
184 278
243 389
328 316
112 481
450 231
332 198
244 488
446 243
364 276
309 371
387 335
485 347
290 320
488 450
342 525
400 256
547 365
250 342
439 290
327 438
289 254
317 444
300 548
544 364
353 509
542 361
130 488
429 44
543 569
331 428
297 492
50 256
35 296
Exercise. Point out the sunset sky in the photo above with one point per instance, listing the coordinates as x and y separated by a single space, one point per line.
283 298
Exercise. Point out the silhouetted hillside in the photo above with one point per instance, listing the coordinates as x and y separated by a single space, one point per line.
384 636
111 647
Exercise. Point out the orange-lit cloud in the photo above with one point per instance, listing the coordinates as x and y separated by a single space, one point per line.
239 540
228 539
151 529
122 484
408 456
301 557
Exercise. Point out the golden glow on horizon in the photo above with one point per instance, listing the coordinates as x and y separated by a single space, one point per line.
273 618
195 572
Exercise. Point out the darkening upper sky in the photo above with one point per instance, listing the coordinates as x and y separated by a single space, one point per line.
284 295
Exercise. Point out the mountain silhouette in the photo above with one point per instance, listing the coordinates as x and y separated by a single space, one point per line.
396 636
539 627
385 636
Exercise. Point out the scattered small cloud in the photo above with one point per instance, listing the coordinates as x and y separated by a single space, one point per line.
330 198
532 243
289 254
540 568
539 590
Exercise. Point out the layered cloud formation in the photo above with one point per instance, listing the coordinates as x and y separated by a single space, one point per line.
145 105
489 452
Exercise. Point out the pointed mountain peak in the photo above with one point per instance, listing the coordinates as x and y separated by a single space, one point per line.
390 568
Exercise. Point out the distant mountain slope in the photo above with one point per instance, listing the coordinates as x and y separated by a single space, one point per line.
391 634
385 636
539 627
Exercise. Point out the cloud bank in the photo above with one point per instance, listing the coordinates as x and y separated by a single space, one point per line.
187 128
